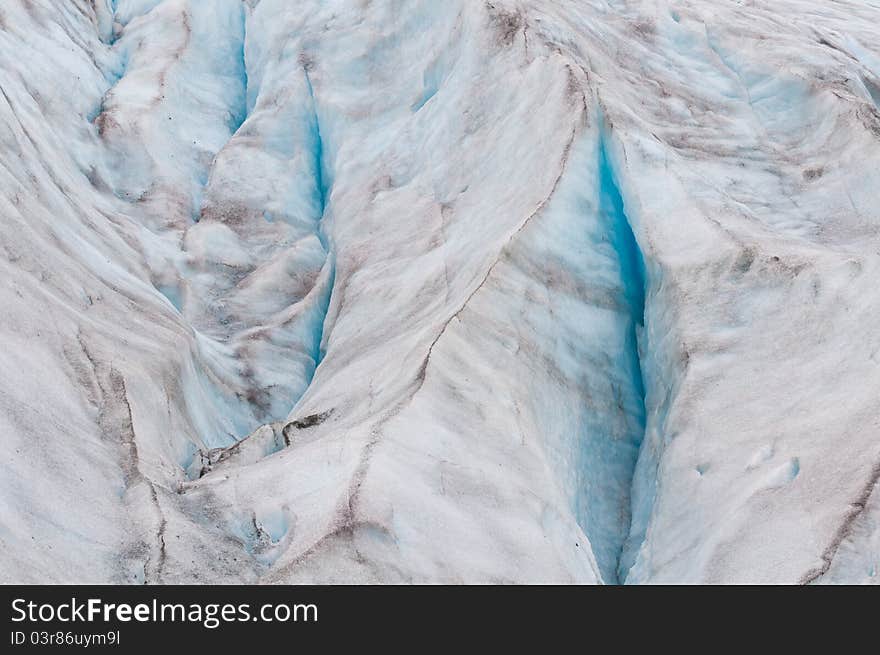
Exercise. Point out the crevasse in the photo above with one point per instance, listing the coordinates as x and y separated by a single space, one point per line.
633 283
323 185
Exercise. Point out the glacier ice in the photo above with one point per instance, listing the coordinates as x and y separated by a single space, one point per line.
508 291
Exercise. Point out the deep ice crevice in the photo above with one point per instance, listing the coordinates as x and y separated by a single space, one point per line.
634 285
244 110
323 184
609 546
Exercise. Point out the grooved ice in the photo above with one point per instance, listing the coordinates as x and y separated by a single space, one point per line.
461 291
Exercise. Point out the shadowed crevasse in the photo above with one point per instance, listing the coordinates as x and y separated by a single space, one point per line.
609 547
323 184
243 111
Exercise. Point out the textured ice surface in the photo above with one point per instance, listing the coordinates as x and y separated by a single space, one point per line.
461 291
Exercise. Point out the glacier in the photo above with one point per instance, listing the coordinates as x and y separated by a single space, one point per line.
508 291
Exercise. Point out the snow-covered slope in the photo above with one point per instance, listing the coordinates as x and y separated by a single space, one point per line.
461 291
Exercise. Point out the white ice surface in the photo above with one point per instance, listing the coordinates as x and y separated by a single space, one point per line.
461 291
